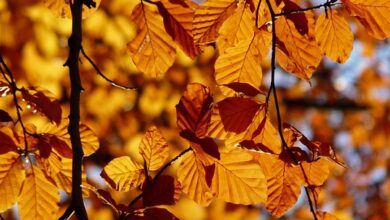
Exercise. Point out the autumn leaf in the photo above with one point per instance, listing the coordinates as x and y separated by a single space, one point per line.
334 36
192 177
239 179
39 197
59 138
372 14
208 19
4 116
62 8
152 49
178 18
154 149
315 173
7 140
43 101
123 174
296 53
152 214
244 88
325 216
193 117
11 179
159 191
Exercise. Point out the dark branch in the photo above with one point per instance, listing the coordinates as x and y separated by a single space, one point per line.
77 205
160 172
14 88
104 76
327 4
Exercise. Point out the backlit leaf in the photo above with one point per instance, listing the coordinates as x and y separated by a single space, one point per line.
160 191
297 53
11 178
7 140
178 18
372 14
239 179
334 36
192 177
152 49
209 17
325 216
43 101
63 178
315 172
123 174
154 149
39 197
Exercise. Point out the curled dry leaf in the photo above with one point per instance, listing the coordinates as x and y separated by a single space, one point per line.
123 174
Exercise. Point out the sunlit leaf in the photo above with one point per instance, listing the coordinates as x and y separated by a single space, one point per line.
123 174
372 14
11 178
178 18
63 178
334 36
325 216
154 149
297 53
315 172
192 177
39 197
239 179
209 17
152 49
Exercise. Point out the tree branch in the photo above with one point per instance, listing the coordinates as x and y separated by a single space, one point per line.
74 43
327 4
104 76
160 172
14 88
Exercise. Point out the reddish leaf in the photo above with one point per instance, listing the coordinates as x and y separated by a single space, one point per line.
44 148
7 143
245 88
160 191
43 103
250 144
205 144
4 116
299 19
209 174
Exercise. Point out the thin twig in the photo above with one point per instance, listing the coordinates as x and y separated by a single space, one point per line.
273 90
14 88
104 76
160 172
327 4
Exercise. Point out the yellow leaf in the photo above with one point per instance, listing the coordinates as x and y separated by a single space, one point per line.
240 63
179 17
209 17
152 49
239 179
123 174
39 197
154 149
325 216
297 53
238 27
283 183
61 8
315 172
192 178
334 36
372 14
11 178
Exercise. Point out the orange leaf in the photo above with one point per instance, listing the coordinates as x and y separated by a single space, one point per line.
334 36
325 216
209 17
152 49
315 172
123 174
178 18
192 177
154 149
39 197
11 179
372 14
283 182
297 53
239 179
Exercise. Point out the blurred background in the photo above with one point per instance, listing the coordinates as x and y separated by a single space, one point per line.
346 105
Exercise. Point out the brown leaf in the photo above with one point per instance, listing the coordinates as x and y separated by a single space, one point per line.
160 191
7 140
5 117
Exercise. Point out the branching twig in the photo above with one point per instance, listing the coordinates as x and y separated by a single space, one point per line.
160 172
104 76
273 90
327 4
14 88
74 43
